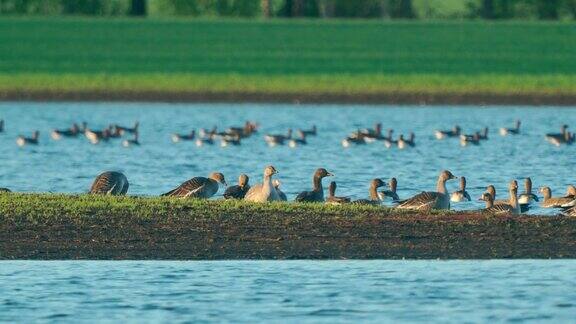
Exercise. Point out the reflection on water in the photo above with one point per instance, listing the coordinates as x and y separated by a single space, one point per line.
288 291
158 164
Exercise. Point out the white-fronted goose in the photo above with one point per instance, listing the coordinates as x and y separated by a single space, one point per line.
527 196
22 140
276 183
373 197
332 199
238 191
123 130
442 134
198 187
131 142
462 194
96 137
391 193
265 191
278 139
503 209
110 183
317 193
554 202
309 132
58 134
439 199
230 140
301 140
511 131
183 137
466 140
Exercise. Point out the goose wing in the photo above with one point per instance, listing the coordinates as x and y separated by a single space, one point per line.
422 201
556 202
253 192
305 196
500 210
189 188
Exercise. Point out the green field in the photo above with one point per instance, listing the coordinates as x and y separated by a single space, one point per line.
352 57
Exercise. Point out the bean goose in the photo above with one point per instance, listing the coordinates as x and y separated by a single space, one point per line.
442 134
462 194
183 137
265 191
276 183
391 193
554 202
373 198
22 140
317 193
238 191
511 131
332 199
439 199
198 187
110 183
131 142
503 209
278 139
58 134
527 196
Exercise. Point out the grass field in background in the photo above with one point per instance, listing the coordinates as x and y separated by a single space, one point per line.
303 56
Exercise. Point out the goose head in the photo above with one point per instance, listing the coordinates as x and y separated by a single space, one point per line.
322 173
219 177
447 175
377 183
270 171
243 180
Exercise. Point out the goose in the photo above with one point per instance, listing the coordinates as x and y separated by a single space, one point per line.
96 137
206 140
238 191
571 212
355 138
470 139
439 199
265 191
114 132
1 125
278 139
442 134
462 194
198 187
309 132
390 141
110 183
511 131
492 191
58 134
317 193
554 202
204 133
183 137
372 135
332 199
131 142
411 140
246 131
373 198
503 209
401 142
228 140
391 193
559 139
123 130
558 136
294 142
527 196
484 135
22 140
276 183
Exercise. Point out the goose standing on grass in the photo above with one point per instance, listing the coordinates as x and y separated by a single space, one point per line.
527 196
22 140
265 191
183 137
198 187
332 199
295 142
511 131
278 139
503 209
462 194
554 202
238 191
110 183
391 193
276 183
425 201
58 134
442 134
492 191
131 142
317 193
373 198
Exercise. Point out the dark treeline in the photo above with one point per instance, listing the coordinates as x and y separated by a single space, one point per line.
405 9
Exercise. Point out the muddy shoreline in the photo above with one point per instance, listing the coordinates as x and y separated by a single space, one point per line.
416 98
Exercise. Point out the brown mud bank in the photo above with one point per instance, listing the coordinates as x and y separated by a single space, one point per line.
286 235
416 98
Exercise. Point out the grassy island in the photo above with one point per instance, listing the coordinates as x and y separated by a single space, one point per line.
48 226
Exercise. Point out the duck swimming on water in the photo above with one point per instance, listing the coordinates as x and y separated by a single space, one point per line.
22 140
183 137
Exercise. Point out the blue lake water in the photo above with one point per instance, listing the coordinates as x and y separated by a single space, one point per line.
288 291
158 165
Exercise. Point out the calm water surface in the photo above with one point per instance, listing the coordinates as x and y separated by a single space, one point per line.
158 165
288 291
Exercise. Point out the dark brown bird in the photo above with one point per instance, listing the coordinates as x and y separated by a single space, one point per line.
374 199
317 193
22 140
110 183
238 191
198 187
332 199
